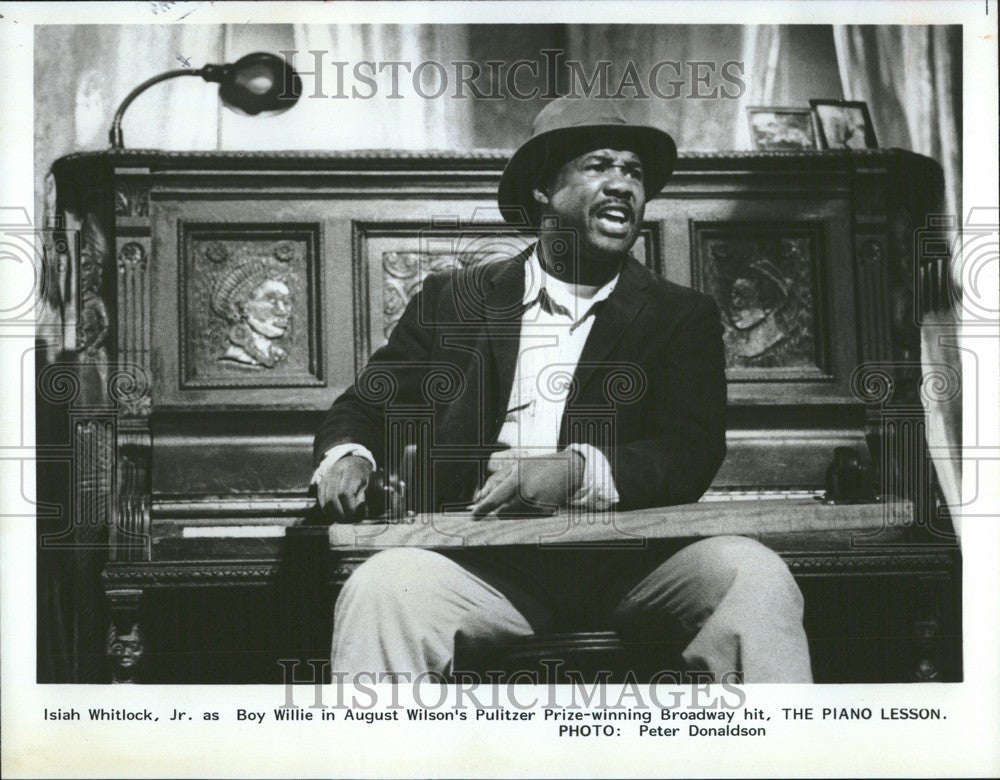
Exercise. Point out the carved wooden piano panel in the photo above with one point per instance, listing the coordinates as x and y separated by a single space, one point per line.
215 304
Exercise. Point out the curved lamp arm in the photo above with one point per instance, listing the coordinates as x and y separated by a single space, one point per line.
258 84
115 134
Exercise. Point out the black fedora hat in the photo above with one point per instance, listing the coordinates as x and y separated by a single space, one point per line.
562 130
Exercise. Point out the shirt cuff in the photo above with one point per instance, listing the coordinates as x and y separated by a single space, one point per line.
597 490
337 452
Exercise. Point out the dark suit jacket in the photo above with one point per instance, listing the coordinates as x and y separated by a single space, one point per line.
649 390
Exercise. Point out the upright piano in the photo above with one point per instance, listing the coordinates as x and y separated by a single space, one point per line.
175 456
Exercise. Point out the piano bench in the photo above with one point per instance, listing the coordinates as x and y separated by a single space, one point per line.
562 658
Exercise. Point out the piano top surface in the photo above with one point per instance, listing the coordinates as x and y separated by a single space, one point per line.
765 517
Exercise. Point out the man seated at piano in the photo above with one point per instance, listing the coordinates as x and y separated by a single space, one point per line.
583 382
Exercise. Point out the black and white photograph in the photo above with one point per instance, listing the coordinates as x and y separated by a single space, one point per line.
781 128
844 124
600 374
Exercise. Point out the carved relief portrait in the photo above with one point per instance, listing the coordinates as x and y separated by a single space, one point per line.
405 264
759 305
404 276
254 298
250 309
764 286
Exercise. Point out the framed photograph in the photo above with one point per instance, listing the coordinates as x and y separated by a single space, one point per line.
844 124
776 128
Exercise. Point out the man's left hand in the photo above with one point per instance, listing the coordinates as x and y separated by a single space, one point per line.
536 484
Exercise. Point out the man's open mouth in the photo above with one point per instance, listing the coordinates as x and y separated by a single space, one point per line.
614 219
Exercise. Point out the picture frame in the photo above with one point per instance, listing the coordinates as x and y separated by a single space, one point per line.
782 128
844 124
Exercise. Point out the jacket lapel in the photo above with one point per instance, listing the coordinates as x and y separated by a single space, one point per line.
503 296
622 306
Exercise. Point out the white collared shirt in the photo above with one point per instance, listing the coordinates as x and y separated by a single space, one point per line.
548 353
549 350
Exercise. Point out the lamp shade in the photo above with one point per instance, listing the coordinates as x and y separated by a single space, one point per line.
257 84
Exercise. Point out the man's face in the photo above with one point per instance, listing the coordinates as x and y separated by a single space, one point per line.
600 194
127 649
745 306
269 309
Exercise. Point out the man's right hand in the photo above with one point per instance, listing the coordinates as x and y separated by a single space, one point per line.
340 491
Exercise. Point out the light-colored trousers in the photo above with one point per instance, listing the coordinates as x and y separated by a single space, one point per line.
731 598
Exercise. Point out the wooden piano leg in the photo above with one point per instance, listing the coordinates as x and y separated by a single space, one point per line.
125 645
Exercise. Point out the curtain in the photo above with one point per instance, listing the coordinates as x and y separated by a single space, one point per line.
910 77
697 124
761 52
378 122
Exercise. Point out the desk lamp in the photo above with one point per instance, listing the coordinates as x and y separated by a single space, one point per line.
258 84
